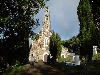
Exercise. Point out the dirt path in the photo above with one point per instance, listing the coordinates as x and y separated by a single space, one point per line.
42 69
60 69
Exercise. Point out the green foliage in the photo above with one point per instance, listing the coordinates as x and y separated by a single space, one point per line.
16 24
96 57
67 59
96 14
87 28
63 42
55 45
86 20
15 70
72 44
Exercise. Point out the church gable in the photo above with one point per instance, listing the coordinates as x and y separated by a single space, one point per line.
41 44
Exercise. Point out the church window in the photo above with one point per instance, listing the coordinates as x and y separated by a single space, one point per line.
46 41
46 15
32 55
47 18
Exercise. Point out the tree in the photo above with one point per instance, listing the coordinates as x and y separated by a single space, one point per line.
55 46
72 44
96 17
87 28
16 23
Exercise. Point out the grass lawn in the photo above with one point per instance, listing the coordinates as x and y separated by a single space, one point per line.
91 68
16 70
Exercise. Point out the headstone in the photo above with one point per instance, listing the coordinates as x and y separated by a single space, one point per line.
73 59
77 60
94 50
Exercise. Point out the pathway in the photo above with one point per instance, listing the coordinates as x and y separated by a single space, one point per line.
42 69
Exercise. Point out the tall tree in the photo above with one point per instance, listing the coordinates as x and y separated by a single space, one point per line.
87 28
95 4
16 22
55 46
72 44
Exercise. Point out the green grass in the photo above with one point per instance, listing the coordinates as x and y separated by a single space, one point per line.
96 57
91 68
15 70
62 59
88 68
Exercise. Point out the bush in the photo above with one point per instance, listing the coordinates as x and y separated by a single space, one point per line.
96 57
62 59
15 70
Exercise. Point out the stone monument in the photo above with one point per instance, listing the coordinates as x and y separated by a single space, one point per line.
77 60
94 50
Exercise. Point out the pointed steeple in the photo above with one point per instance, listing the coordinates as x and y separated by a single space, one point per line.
46 21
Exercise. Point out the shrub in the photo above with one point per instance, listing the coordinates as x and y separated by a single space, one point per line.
96 57
62 59
15 70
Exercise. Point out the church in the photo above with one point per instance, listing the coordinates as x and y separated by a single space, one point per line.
40 46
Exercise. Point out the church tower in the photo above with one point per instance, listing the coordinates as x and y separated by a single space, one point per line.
46 21
40 47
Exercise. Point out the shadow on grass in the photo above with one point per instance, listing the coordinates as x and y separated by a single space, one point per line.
46 69
25 73
91 68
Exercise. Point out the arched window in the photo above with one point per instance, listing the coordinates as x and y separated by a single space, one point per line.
32 55
46 41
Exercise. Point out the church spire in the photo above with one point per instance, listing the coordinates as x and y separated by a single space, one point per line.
46 21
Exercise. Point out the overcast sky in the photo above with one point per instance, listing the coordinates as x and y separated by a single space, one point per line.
64 18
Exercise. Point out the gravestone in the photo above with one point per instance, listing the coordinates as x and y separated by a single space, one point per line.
94 50
73 59
77 60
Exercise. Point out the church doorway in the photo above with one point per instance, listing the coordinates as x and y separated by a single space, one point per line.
45 57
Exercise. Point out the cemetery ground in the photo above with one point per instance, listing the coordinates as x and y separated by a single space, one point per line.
40 68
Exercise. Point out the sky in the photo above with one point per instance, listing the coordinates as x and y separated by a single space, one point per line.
64 18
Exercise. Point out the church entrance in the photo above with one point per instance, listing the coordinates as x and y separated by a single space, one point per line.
45 57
